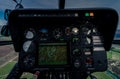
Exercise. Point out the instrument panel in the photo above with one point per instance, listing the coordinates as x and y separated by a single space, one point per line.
65 40
61 22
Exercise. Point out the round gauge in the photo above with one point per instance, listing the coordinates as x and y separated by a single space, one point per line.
85 30
29 61
29 34
89 32
57 33
68 31
75 30
43 32
88 40
26 45
88 28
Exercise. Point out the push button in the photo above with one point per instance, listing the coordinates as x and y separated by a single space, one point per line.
77 63
89 62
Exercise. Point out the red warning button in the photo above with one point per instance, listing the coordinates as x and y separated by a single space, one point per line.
91 14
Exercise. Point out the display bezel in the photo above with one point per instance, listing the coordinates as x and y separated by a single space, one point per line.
54 66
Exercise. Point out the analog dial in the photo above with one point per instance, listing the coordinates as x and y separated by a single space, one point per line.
26 45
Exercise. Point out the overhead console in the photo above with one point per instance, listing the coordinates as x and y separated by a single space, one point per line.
65 41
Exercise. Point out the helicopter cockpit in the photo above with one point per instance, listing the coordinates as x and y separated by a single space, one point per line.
64 43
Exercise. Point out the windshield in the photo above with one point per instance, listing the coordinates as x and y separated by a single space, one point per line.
113 54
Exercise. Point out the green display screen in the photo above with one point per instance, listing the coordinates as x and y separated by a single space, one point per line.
52 54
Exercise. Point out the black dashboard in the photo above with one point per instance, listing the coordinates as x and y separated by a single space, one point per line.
69 40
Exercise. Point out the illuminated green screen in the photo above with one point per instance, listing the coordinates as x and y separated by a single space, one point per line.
52 54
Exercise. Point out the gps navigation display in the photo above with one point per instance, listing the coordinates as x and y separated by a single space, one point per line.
52 54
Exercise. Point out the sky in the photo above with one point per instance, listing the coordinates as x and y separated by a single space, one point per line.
9 4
